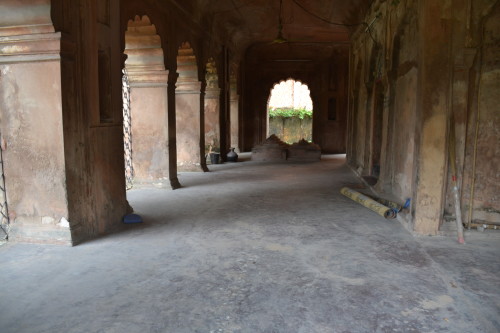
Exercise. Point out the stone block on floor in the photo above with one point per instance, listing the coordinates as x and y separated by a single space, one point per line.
304 151
272 149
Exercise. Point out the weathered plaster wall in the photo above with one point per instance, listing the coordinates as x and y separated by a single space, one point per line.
291 130
383 99
399 115
149 133
403 144
487 185
426 67
480 147
188 135
360 122
386 127
31 123
32 139
25 17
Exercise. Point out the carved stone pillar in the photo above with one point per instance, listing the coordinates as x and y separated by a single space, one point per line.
31 124
148 103
234 100
189 114
212 109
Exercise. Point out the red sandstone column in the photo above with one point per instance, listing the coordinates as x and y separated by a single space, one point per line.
234 110
188 126
148 107
148 102
189 114
31 123
212 112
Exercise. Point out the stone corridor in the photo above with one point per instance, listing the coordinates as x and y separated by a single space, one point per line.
254 247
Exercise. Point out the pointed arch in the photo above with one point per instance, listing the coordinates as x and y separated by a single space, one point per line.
146 138
143 45
189 112
187 66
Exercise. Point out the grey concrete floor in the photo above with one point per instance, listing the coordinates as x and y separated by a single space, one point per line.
254 247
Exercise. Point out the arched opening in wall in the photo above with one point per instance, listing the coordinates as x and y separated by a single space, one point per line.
399 171
289 111
353 153
145 122
392 98
212 109
234 108
374 111
377 123
480 188
189 113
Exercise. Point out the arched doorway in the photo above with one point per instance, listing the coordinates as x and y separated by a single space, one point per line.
189 113
234 108
289 111
145 115
212 108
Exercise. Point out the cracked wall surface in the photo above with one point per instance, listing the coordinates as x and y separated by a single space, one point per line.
433 67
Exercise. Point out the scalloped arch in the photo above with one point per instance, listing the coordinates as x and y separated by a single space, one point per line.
143 44
279 98
187 66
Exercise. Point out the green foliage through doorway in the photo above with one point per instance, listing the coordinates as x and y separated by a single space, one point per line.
290 113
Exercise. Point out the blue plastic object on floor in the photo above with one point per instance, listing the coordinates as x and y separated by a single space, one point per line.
132 218
407 203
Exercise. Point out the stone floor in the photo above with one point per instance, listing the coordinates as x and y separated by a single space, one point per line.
255 247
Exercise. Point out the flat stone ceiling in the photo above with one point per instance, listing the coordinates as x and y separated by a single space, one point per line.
241 23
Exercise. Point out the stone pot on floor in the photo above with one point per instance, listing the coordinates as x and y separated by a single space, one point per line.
232 156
